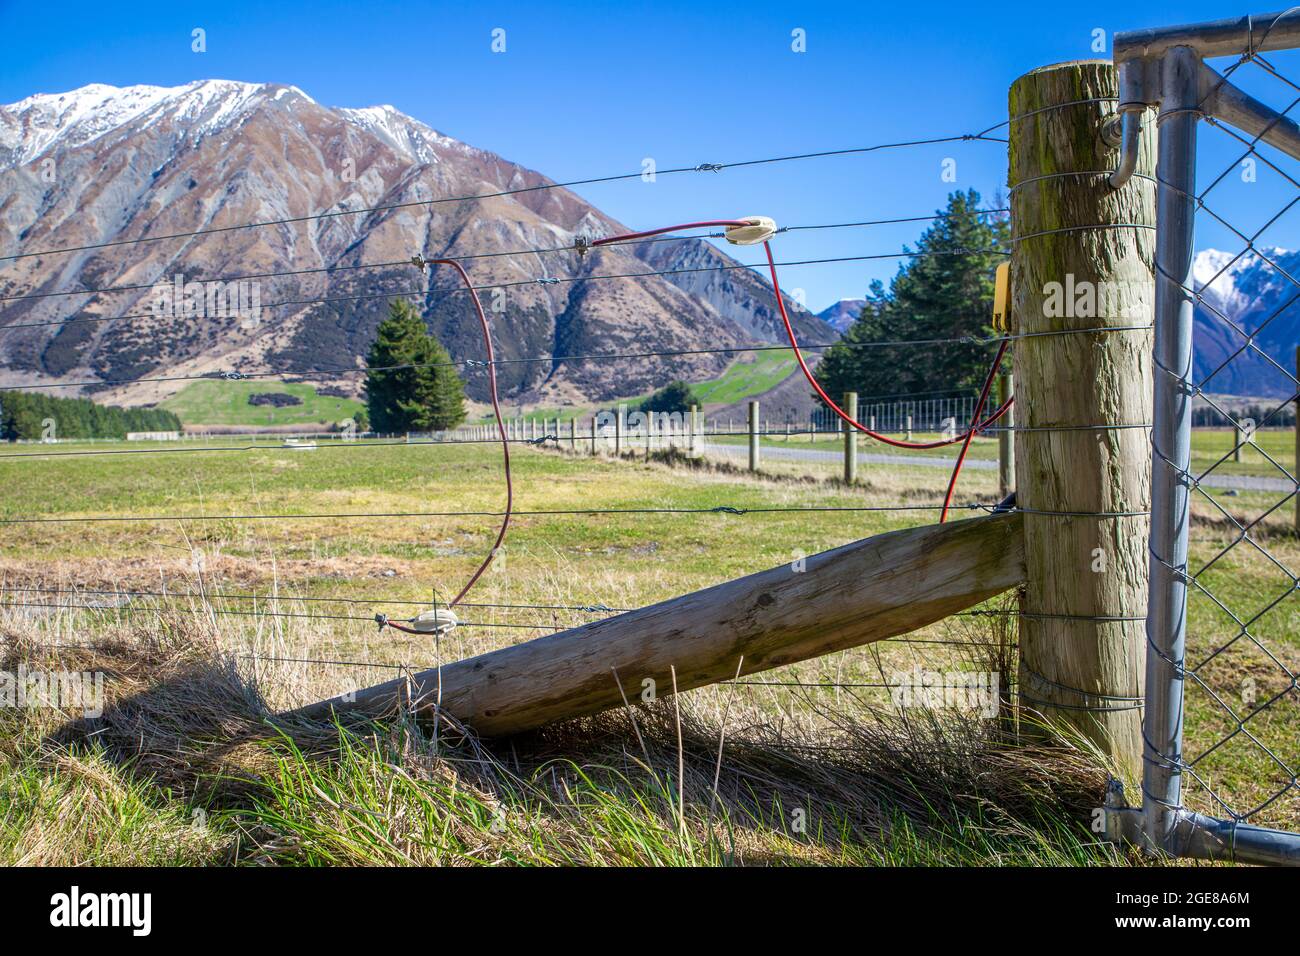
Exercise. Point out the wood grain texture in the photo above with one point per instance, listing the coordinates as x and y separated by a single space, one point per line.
879 587
1084 672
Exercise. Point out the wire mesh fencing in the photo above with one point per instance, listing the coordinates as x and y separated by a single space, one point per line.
1223 708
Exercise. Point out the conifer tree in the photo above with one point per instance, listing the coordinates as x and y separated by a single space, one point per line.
945 291
412 385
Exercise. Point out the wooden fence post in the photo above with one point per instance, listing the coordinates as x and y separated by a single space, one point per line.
1236 440
1006 437
851 440
1083 399
753 436
620 418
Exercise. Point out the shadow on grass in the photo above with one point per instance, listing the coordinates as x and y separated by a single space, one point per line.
621 787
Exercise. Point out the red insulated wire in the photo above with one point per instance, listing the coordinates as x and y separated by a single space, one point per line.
970 432
658 232
501 426
940 443
401 627
975 426
501 431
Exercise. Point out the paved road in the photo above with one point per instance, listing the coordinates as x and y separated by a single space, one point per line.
1224 482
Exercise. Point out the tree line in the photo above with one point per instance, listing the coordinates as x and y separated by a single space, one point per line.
32 415
943 291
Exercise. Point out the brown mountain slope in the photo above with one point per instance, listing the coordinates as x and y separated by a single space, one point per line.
108 165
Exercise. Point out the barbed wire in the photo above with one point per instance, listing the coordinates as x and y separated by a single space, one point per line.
546 280
331 214
402 263
335 441
307 599
408 666
348 515
583 357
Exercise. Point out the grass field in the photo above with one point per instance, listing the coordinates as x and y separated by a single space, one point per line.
222 402
183 767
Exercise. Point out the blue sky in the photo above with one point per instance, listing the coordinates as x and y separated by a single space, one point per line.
593 89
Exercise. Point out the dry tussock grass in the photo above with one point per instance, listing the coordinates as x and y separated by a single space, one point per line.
712 777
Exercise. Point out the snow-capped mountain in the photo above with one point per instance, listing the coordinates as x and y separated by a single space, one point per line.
1253 293
114 165
1247 291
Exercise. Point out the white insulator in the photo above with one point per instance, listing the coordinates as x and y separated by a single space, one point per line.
759 229
436 621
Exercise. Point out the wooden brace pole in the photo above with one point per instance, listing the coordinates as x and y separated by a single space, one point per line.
862 592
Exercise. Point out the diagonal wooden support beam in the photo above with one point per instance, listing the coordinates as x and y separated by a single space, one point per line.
862 592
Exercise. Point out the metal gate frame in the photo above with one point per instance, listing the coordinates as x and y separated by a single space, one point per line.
1164 68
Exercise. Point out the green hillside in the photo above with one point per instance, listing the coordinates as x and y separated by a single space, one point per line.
222 402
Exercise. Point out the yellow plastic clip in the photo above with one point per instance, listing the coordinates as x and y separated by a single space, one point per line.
1002 298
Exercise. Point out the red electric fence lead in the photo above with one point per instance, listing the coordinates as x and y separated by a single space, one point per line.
756 229
751 230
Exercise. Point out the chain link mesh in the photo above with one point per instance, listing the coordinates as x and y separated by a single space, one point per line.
1242 704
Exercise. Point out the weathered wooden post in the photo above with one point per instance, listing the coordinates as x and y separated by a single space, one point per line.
851 440
753 436
693 435
1006 437
1236 440
1084 402
620 419
909 427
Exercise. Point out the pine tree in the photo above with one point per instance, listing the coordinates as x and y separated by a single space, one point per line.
412 385
945 291
676 396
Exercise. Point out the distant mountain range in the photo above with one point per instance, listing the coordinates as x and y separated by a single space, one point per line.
842 314
1251 293
1260 301
103 164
